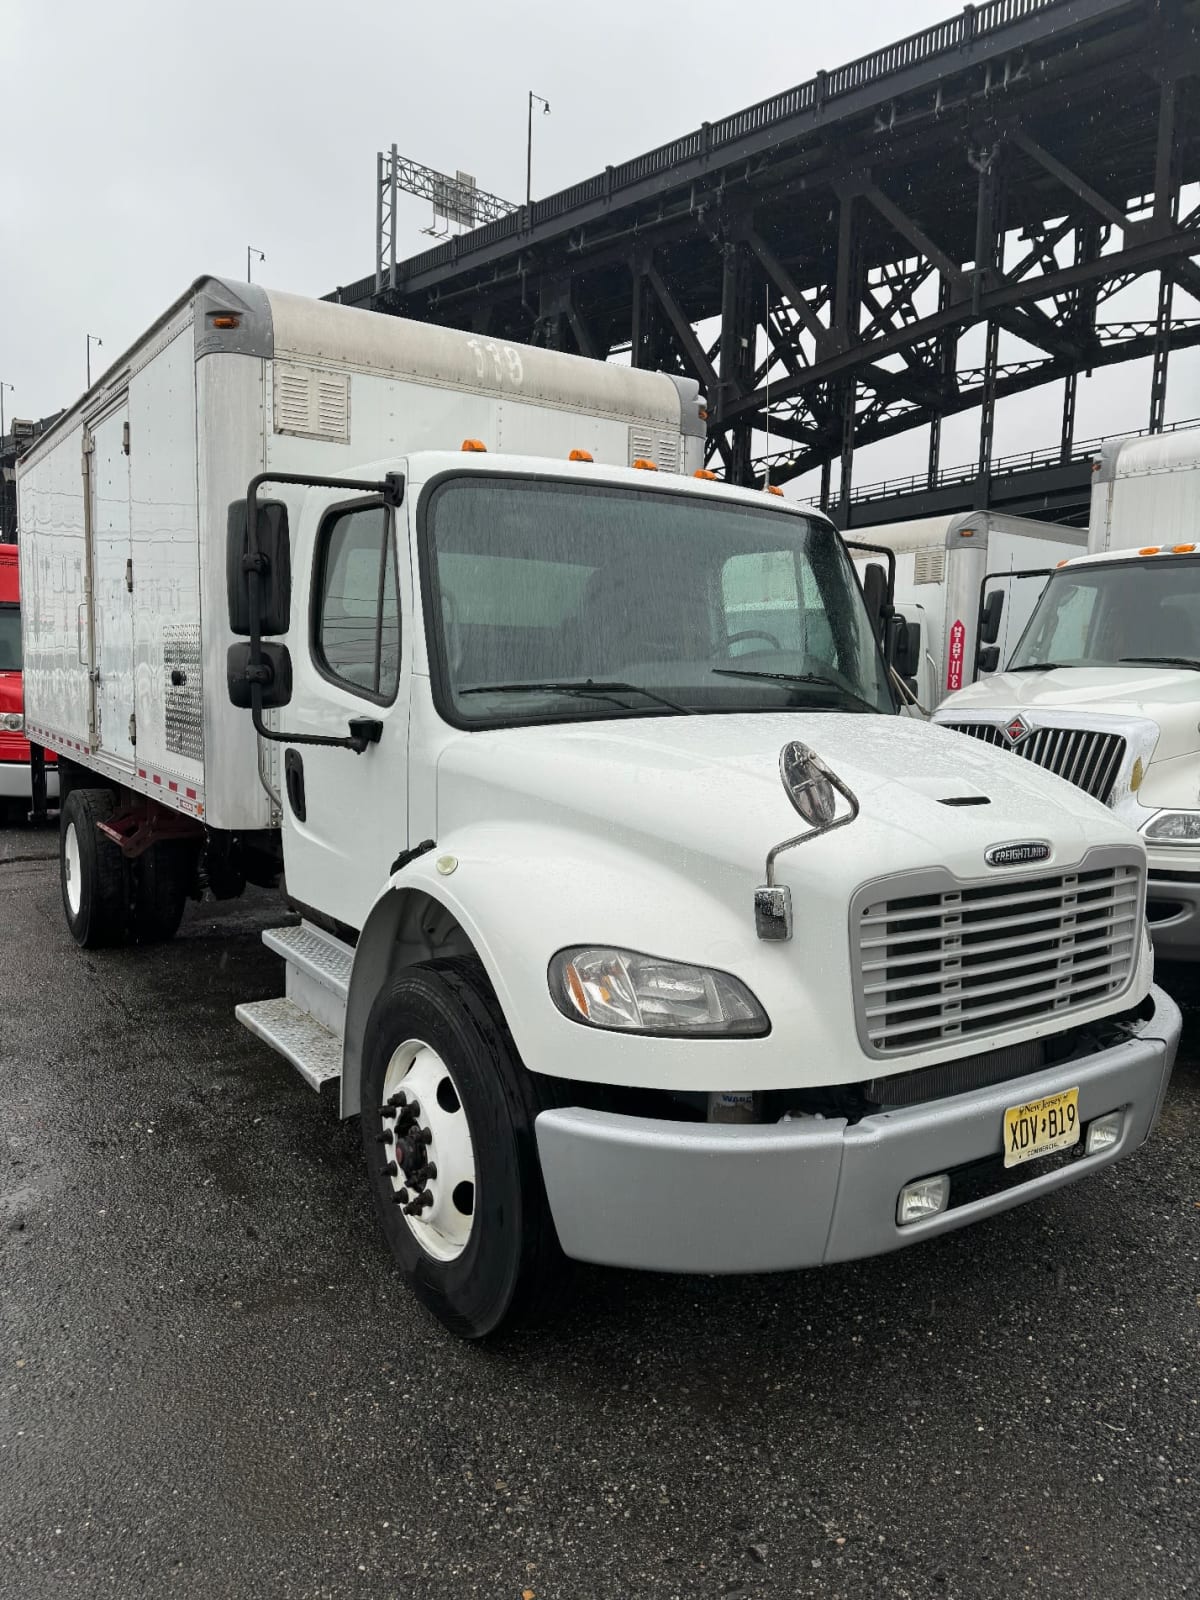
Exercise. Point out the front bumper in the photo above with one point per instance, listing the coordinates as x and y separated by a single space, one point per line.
1173 914
16 784
700 1197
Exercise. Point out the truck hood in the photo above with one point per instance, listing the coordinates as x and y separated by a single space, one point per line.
708 787
1168 697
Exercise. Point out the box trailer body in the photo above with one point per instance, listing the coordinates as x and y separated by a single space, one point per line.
16 788
126 635
637 927
948 569
1146 490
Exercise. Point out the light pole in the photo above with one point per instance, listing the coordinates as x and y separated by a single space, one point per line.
545 105
251 251
3 386
92 339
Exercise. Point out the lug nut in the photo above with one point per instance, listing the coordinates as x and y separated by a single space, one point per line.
385 1137
401 1197
423 1136
398 1099
390 1170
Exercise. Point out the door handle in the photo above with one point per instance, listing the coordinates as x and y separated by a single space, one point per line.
293 777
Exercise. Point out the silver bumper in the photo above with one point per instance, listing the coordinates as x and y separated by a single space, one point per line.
1173 915
16 784
699 1197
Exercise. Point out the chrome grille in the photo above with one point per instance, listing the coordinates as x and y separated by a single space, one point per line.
1088 759
938 960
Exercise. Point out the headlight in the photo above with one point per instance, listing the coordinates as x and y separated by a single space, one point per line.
12 721
621 989
1174 827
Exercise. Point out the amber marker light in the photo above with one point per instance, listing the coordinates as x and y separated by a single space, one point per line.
643 465
580 455
475 445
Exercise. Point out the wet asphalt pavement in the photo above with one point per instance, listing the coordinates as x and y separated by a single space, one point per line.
213 1384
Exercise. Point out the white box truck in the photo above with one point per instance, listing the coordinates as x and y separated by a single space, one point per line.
1104 686
965 587
637 928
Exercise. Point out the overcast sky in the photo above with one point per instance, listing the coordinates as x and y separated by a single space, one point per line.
147 141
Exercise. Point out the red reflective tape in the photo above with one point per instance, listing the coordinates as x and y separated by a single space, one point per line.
141 772
174 787
157 779
954 665
191 793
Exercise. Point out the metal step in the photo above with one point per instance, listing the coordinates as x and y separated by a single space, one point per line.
315 953
313 1050
318 972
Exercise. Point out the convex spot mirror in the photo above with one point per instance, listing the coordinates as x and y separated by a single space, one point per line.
988 659
275 572
273 671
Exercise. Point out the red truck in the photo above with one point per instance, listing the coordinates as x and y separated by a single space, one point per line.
15 785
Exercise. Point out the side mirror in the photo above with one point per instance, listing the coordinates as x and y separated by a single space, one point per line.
275 571
273 672
907 649
988 659
989 621
875 586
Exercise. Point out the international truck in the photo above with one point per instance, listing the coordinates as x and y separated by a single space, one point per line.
635 928
964 589
16 791
1104 686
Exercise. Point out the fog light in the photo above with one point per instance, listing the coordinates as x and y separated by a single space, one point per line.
1104 1133
925 1198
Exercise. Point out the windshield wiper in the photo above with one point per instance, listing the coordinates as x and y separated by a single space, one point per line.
1043 666
794 677
590 689
1161 661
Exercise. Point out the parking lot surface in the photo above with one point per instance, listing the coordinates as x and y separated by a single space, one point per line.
212 1382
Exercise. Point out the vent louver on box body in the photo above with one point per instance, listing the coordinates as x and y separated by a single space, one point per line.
654 444
1089 760
929 566
312 403
937 960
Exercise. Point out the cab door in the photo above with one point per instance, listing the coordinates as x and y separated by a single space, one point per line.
106 443
345 816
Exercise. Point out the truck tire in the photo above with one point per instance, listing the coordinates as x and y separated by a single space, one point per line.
92 871
162 877
481 1250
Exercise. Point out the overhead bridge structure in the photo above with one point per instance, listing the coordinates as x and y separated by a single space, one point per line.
929 229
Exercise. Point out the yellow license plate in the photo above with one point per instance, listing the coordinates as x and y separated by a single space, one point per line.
1041 1127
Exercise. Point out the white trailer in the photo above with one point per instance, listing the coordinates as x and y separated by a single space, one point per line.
1146 491
965 586
636 927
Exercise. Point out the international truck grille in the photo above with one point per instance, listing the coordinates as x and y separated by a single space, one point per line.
954 961
1087 759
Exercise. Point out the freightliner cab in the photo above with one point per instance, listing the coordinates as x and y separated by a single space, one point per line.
634 928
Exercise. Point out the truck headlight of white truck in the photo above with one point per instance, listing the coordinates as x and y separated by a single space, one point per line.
630 919
642 994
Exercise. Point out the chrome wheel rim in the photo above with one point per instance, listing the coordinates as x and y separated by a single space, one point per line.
72 873
429 1158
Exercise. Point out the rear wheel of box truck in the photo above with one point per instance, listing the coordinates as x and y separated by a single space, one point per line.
447 1124
162 877
94 876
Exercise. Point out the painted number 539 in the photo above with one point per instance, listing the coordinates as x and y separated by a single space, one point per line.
501 362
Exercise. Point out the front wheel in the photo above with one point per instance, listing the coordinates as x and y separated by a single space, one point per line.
447 1123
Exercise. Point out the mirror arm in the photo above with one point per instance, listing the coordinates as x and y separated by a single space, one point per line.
364 731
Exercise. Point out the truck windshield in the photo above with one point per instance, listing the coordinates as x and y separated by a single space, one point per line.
661 603
1142 612
10 638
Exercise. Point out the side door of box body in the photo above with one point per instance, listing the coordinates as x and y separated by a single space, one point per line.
106 445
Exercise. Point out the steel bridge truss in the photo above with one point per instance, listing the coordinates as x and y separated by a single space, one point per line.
944 233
